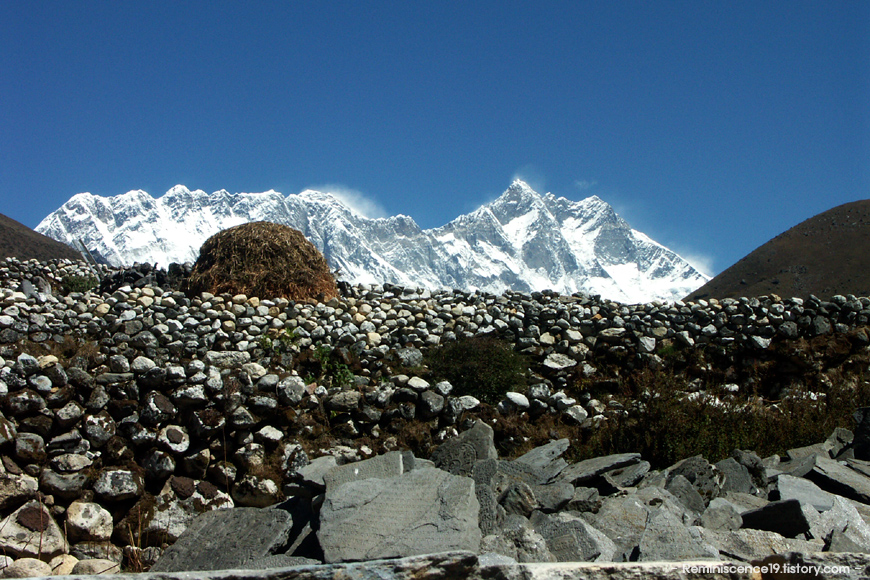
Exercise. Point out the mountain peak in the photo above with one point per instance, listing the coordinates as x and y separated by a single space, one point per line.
522 241
518 185
178 190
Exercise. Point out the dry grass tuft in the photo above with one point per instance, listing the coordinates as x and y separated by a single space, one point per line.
265 260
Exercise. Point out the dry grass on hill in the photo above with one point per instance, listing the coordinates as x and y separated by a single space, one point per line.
825 255
19 241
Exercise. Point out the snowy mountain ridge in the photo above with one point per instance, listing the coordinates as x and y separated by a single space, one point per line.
522 241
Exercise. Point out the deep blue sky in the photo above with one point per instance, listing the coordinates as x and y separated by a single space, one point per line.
710 126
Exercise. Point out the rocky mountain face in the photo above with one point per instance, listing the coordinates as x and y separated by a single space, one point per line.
523 241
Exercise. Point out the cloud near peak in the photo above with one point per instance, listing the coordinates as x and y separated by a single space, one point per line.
357 201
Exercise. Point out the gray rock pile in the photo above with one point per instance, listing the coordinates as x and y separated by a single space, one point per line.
157 408
539 508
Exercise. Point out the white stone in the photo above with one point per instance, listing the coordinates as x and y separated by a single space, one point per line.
467 402
270 434
576 413
518 400
88 521
557 361
24 542
418 384
646 344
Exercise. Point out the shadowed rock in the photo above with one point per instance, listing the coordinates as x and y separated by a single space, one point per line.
784 517
585 471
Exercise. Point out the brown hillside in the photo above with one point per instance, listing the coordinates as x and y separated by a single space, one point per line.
825 255
19 241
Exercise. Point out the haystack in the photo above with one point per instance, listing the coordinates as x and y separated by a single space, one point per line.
265 260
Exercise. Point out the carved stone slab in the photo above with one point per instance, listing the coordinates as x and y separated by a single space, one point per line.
571 539
667 538
382 466
457 455
225 539
424 511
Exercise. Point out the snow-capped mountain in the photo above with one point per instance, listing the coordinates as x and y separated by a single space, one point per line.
522 241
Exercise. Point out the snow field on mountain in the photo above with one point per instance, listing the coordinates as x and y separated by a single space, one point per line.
521 241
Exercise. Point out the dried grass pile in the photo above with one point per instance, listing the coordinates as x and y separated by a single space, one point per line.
262 259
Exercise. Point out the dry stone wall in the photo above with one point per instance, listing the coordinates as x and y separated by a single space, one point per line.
189 405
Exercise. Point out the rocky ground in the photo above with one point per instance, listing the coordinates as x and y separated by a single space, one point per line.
130 411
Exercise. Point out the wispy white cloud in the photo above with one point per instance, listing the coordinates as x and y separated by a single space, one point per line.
700 261
533 176
354 199
585 184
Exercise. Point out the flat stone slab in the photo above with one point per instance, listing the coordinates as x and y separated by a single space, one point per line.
624 518
749 544
721 515
467 566
736 477
554 496
683 490
513 471
808 451
584 471
839 479
313 474
546 456
805 491
628 476
666 538
843 519
424 511
861 466
227 539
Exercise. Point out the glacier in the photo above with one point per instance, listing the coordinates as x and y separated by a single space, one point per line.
522 241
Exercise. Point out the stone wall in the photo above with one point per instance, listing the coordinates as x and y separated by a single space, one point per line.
190 404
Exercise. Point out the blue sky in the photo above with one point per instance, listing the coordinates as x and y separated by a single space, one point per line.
710 126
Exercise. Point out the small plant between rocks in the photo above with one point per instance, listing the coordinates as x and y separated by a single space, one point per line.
78 283
482 366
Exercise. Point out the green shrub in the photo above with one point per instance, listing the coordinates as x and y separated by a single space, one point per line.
79 283
278 341
483 367
325 364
